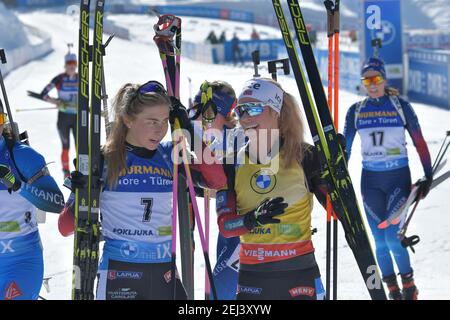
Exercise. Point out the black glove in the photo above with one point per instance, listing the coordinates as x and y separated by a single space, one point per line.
78 180
9 180
179 111
343 143
265 213
424 186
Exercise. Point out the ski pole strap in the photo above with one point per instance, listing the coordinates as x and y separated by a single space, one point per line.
41 173
410 242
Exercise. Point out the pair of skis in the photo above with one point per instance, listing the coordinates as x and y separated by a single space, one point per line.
87 225
168 40
331 156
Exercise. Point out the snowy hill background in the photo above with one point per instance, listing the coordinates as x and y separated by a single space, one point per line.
15 35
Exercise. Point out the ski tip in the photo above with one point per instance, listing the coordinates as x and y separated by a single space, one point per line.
383 225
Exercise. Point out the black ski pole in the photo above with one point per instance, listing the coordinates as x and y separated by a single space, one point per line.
329 5
442 151
336 25
104 93
256 61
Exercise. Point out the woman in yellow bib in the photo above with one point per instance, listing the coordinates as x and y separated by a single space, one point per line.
269 198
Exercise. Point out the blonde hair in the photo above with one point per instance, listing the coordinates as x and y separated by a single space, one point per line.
390 91
291 127
128 102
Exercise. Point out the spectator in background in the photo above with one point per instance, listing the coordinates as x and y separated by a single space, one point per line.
222 37
237 54
212 38
254 35
352 34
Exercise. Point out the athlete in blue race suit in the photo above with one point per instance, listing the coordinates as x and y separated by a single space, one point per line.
136 200
225 140
381 120
24 186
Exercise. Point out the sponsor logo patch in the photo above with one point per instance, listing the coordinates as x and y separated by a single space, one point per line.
291 230
133 275
165 231
12 291
249 290
168 276
123 294
263 181
9 226
129 250
302 291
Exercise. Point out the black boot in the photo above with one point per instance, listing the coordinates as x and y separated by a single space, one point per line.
410 291
394 289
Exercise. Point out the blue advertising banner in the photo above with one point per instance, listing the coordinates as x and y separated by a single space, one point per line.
39 3
349 67
268 49
382 20
216 13
127 9
429 77
187 11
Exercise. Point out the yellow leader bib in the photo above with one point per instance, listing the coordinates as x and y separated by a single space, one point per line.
292 236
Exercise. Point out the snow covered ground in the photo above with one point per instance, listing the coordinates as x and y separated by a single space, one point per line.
136 61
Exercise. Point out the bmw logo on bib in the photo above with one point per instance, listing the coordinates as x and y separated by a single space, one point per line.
263 181
129 250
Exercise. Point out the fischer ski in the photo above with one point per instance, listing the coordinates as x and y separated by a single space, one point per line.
87 226
331 156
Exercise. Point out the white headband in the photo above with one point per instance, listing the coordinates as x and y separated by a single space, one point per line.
264 91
